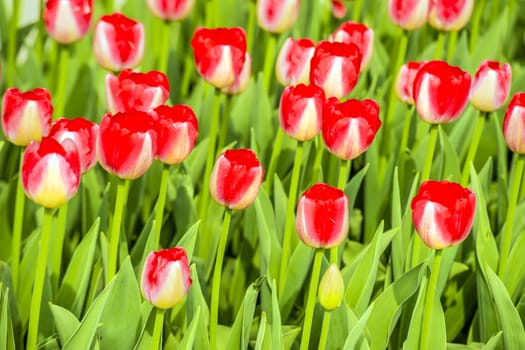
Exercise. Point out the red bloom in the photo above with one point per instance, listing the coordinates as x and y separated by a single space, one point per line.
338 9
67 21
491 85
127 143
219 54
409 14
26 116
136 91
277 16
450 15
171 10
335 68
177 129
514 123
443 213
236 178
350 127
293 62
118 42
358 34
405 81
322 216
240 83
441 92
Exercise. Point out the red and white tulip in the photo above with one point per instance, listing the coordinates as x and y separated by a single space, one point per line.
358 34
240 83
450 15
338 9
405 81
514 123
409 14
67 21
491 85
171 10
293 62
277 16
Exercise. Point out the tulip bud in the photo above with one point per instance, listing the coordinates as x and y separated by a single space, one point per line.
358 34
491 85
177 129
338 9
405 81
335 68
165 277
127 143
293 62
171 10
241 81
450 15
443 213
219 54
350 127
277 16
118 42
136 91
83 133
67 21
236 178
26 116
441 92
50 172
301 111
409 14
514 123
331 288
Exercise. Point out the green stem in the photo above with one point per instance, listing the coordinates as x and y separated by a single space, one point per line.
506 239
216 284
165 47
60 93
16 243
269 62
439 45
161 203
429 300
357 10
319 151
38 287
474 143
344 168
310 303
115 229
40 34
58 239
451 48
325 328
290 217
157 329
425 175
475 23
11 43
223 134
250 27
276 151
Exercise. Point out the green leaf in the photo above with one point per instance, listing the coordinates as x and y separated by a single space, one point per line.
65 322
357 330
263 340
277 335
189 335
450 168
7 338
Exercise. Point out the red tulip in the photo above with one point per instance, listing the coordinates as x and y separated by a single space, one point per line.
136 91
277 16
514 123
171 10
322 216
350 127
26 116
409 14
50 172
441 92
491 85
127 143
165 277
338 9
83 133
240 83
219 54
450 15
236 178
301 111
67 21
405 81
177 129
335 68
443 213
358 34
118 42
293 62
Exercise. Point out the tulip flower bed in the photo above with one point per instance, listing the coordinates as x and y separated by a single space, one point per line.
236 174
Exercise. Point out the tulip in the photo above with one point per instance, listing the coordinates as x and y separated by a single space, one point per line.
409 14
240 83
219 54
405 81
441 92
358 34
350 127
50 172
118 42
127 143
136 91
83 133
26 116
322 216
293 61
171 10
491 85
450 15
277 16
177 129
331 288
165 277
443 213
301 111
338 9
67 21
514 123
236 178
335 67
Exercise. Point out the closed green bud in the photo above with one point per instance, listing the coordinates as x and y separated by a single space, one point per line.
331 288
